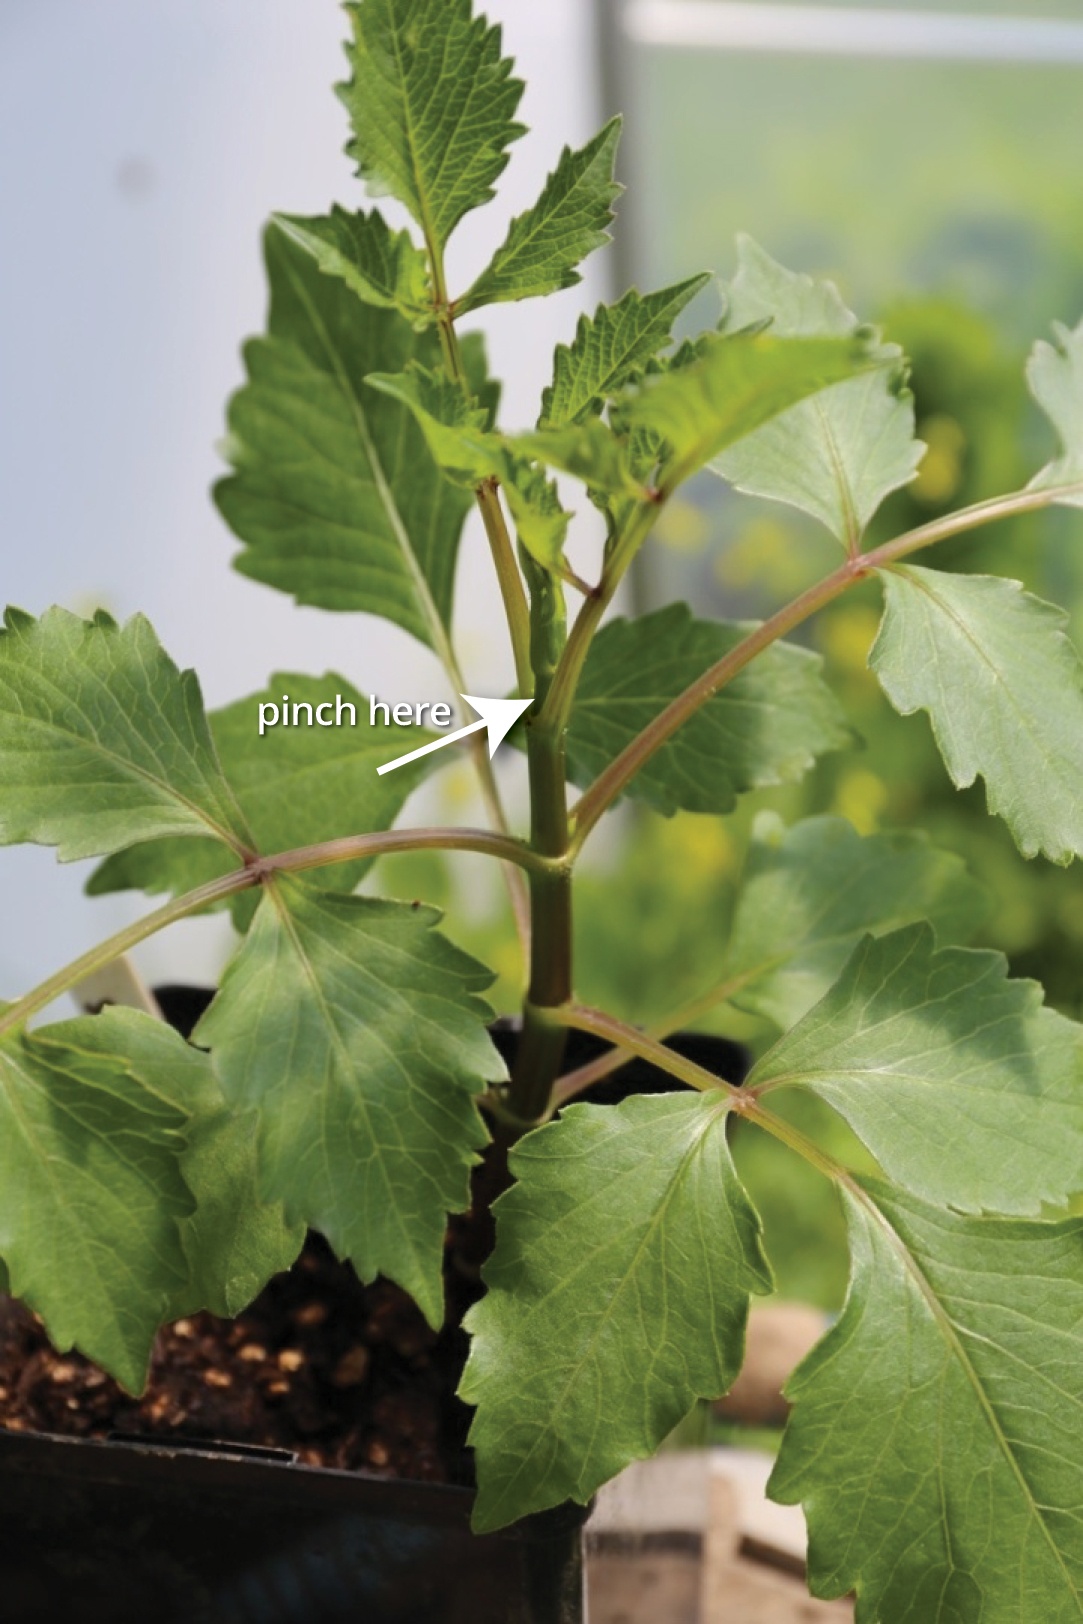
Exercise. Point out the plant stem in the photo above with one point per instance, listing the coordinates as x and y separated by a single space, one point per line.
490 793
612 782
969 518
540 1051
517 891
809 1152
635 1042
561 696
510 580
686 1071
577 1082
389 841
573 1083
445 649
541 1044
120 943
242 879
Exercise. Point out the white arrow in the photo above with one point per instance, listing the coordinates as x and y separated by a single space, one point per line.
498 715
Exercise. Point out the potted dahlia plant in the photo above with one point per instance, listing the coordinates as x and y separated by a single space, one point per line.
343 1079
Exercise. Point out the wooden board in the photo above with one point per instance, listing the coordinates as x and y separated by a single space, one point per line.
690 1538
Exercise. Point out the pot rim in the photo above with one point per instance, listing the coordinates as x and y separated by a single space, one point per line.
271 1475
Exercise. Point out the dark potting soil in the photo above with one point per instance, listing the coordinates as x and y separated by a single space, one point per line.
337 1373
334 1372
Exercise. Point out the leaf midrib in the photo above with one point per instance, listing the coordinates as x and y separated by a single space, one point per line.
429 612
952 1338
526 228
695 456
44 1161
433 236
132 769
657 325
1025 722
340 1048
851 537
710 1122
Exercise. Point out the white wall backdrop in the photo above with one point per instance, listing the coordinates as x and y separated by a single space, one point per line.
141 148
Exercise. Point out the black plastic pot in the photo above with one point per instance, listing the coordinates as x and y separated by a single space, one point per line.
129 1532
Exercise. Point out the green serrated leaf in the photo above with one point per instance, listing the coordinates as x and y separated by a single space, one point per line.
646 450
767 726
736 383
808 895
297 786
610 349
383 267
936 1440
840 453
1003 687
454 426
103 741
432 105
334 493
92 1198
357 1032
910 1037
589 451
469 453
568 222
232 1242
618 1293
1055 376
541 523
481 386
